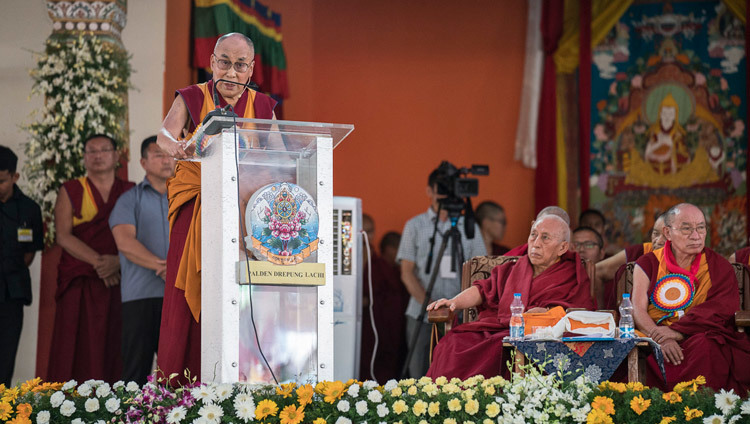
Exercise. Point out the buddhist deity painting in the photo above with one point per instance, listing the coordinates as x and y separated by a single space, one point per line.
668 120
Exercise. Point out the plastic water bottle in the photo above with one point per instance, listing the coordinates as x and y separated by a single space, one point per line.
626 318
516 318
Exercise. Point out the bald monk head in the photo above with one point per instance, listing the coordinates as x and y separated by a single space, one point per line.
554 210
548 240
233 59
685 227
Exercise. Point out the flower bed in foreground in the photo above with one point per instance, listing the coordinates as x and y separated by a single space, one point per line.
533 398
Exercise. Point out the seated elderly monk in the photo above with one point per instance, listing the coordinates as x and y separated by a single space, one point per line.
549 210
549 275
684 297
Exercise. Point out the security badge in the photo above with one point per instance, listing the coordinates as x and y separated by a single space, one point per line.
25 235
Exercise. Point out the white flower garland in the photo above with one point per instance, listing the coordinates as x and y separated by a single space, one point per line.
84 82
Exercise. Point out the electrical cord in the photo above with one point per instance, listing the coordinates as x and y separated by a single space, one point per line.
372 310
244 248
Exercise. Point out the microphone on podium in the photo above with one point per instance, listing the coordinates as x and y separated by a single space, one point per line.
227 111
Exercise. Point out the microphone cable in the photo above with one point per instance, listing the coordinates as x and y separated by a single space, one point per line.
371 307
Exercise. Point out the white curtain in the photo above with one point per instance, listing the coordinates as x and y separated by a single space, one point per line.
532 86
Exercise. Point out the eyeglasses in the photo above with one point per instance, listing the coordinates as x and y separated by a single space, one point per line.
97 152
586 245
687 230
224 65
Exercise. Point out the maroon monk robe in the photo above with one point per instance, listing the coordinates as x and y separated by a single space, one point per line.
390 299
742 256
632 253
477 347
88 321
712 347
518 250
180 333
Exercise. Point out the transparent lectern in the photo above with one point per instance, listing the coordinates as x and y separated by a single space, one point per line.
266 246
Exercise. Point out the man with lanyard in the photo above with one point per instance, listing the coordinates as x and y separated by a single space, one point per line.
139 225
232 60
21 235
684 297
412 257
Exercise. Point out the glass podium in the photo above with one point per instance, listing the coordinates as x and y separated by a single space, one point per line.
266 249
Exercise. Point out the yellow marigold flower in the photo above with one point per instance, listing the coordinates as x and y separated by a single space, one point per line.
419 408
11 395
425 380
351 381
672 397
430 390
492 410
396 392
266 408
320 387
24 409
692 413
433 409
639 405
412 391
454 405
286 389
305 394
489 390
292 415
423 422
636 386
451 388
441 381
468 394
5 410
399 407
332 391
20 420
488 421
319 421
471 407
407 382
456 380
667 420
449 421
680 387
596 416
604 404
700 380
30 384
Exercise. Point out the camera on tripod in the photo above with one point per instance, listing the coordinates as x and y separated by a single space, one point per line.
457 188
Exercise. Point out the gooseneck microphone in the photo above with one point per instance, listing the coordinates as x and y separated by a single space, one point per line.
226 112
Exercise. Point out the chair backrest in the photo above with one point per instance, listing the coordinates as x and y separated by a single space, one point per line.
625 283
479 268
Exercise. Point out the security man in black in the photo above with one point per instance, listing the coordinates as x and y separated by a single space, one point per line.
21 235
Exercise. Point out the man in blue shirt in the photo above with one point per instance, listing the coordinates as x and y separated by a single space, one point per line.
21 235
141 230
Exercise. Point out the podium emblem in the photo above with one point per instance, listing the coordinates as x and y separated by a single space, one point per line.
282 224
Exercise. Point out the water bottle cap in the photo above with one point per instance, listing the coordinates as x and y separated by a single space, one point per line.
517 294
626 295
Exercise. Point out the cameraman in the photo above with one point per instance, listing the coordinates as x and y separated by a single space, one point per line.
412 257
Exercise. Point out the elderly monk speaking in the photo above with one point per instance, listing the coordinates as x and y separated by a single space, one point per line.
684 297
232 60
549 275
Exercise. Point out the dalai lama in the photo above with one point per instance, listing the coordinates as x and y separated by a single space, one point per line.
549 275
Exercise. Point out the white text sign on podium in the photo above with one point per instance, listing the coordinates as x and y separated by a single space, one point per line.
267 186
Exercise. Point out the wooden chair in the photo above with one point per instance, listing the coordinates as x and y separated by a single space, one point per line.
636 359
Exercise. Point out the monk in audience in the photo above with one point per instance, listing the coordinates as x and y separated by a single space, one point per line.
88 321
549 210
684 297
742 256
588 243
609 270
550 275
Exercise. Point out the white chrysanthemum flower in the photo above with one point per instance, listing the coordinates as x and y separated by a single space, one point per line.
176 415
725 401
375 396
343 420
223 391
42 417
343 405
77 421
390 385
132 387
119 384
211 413
714 419
203 393
69 385
57 399
112 405
245 411
361 407
382 410
353 390
103 390
734 419
369 384
91 405
67 408
745 408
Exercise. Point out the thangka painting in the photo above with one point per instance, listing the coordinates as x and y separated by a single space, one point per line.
668 120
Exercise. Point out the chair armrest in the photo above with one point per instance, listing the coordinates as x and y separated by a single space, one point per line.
443 314
742 318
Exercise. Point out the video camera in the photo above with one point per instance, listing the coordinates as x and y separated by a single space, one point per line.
458 190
